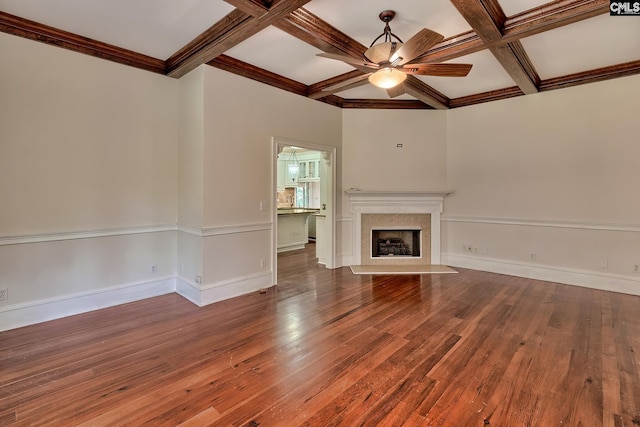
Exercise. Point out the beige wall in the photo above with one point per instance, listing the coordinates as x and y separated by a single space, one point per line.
85 143
241 118
191 149
371 160
190 160
570 154
88 183
553 174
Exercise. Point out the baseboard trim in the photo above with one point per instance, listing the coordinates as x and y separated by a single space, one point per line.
38 311
24 314
202 295
587 279
19 315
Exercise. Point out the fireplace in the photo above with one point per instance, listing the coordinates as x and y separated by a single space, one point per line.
415 213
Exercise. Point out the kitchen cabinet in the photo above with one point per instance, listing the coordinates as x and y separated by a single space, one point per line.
293 230
309 170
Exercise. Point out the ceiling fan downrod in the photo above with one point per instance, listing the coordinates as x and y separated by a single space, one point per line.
386 16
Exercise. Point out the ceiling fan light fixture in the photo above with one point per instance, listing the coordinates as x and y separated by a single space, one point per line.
387 78
381 52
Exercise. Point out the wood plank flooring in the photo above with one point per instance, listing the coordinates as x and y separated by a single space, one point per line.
329 348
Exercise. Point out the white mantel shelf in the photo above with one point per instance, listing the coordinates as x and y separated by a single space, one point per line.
366 202
397 194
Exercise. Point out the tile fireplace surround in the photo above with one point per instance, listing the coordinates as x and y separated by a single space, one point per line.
414 206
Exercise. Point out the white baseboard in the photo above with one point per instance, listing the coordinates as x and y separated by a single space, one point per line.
204 294
344 260
587 279
24 314
30 313
18 315
290 247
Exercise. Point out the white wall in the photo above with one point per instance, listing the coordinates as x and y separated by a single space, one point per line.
554 174
87 181
190 184
240 119
372 161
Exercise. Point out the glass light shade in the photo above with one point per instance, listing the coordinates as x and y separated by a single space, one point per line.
293 169
387 78
381 52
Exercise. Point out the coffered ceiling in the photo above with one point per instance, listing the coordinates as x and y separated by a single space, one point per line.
516 47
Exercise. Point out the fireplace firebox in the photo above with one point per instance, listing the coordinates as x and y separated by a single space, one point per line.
395 243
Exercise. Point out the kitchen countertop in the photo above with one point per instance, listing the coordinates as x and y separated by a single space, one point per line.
296 211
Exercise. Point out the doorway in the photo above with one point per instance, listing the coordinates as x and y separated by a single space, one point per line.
325 219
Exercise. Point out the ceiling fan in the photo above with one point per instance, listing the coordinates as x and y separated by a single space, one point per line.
388 63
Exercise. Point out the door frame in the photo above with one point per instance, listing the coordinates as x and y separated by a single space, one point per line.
277 144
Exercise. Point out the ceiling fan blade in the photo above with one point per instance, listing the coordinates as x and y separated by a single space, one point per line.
396 91
440 70
416 46
349 60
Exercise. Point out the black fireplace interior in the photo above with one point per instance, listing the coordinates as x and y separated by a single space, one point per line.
395 243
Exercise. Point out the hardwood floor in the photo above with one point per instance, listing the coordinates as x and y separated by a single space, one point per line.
327 347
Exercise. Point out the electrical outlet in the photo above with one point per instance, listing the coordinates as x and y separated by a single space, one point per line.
154 268
636 268
4 294
604 263
532 256
263 263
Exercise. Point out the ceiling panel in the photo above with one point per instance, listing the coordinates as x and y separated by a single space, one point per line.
585 45
280 53
485 75
157 28
513 7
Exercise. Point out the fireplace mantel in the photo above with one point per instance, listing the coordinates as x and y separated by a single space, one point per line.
389 202
366 195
